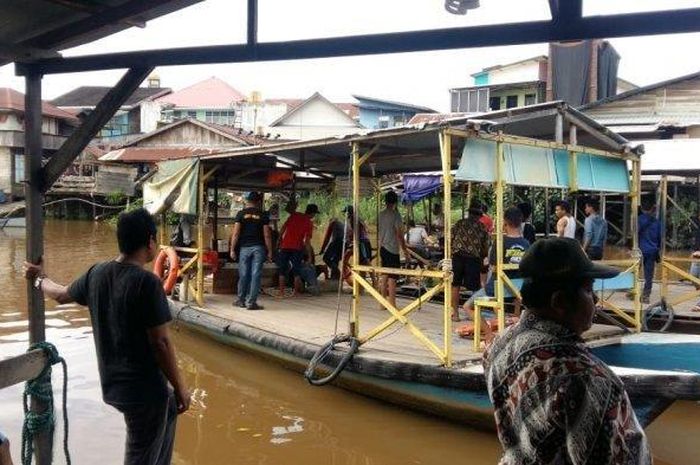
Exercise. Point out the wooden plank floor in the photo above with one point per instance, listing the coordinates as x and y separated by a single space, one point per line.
683 309
312 319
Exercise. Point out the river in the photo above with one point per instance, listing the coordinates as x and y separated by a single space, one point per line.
244 410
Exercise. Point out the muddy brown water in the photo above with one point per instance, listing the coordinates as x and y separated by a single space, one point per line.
245 410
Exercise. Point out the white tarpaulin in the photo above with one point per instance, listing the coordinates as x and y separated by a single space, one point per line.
173 187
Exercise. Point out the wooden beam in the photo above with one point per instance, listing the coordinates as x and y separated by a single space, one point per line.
252 23
90 7
82 136
21 368
34 213
554 9
99 19
593 27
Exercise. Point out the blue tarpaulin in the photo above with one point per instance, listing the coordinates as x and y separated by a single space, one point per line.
419 186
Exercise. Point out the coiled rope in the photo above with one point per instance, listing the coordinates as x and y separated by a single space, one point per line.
40 388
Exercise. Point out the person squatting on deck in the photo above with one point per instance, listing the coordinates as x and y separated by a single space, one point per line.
251 234
135 355
295 237
649 231
514 247
470 247
555 402
391 242
332 246
566 224
595 230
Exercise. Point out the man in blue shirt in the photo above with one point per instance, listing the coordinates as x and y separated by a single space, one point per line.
595 230
649 232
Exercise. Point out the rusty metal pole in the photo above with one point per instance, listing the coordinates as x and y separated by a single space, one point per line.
34 197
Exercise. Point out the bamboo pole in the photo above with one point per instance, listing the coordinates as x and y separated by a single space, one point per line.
446 152
43 441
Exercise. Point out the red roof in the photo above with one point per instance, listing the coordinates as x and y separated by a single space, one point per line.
351 109
11 99
210 93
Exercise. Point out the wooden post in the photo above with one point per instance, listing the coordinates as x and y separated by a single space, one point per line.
547 213
355 320
446 147
200 237
636 195
34 214
215 218
559 128
662 214
500 187
573 136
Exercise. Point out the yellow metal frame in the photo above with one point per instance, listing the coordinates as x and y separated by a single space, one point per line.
669 264
444 353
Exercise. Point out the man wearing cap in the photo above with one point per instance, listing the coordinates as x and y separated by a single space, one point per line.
555 402
251 232
391 241
294 239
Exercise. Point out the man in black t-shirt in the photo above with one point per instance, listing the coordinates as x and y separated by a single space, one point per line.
135 356
251 232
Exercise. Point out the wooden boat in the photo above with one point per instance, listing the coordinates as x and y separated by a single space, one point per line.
656 369
13 223
409 353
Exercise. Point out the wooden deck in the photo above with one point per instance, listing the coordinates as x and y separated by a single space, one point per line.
312 320
682 310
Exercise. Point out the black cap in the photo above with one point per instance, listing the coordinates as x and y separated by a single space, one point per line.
560 259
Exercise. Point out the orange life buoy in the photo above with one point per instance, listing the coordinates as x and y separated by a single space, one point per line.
167 274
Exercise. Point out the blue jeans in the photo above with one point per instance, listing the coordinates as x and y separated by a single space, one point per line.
250 262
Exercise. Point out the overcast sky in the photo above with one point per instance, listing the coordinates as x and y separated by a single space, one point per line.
420 78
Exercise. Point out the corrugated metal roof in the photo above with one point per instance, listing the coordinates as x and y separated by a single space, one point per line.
671 156
155 154
90 96
36 28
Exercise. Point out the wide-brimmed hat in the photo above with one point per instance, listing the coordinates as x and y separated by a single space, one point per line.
558 259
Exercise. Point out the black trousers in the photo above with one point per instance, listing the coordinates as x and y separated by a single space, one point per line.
150 431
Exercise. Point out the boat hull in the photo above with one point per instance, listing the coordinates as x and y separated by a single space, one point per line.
454 394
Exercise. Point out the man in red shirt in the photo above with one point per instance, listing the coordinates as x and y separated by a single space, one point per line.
295 236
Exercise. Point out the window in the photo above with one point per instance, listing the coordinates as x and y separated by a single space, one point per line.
18 164
473 100
225 117
511 101
530 99
383 122
191 114
495 103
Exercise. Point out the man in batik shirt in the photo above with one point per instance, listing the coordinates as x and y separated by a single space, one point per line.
555 402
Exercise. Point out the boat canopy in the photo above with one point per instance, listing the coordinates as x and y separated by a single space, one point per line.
528 165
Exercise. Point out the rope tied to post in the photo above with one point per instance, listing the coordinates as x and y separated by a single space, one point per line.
40 388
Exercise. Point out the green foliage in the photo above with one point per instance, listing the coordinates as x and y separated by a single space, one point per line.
115 198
